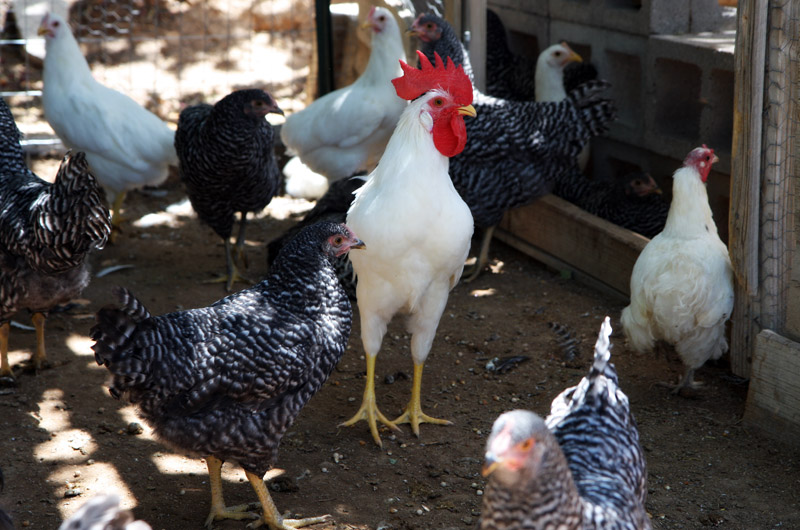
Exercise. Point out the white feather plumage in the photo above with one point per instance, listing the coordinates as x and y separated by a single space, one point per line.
126 145
682 283
346 131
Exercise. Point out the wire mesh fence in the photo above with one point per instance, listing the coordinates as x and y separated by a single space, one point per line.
164 54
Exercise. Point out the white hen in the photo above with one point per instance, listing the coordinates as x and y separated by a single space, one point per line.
126 145
416 226
682 282
346 131
549 81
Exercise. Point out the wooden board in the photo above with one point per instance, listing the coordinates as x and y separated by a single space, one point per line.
773 400
562 235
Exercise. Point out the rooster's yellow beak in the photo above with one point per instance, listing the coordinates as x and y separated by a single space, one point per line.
467 110
41 31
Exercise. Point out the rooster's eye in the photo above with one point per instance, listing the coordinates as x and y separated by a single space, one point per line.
438 102
526 445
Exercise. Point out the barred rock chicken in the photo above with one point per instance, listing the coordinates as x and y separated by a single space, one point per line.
416 226
227 380
346 131
332 207
127 146
102 513
633 201
46 233
682 282
580 469
517 149
227 164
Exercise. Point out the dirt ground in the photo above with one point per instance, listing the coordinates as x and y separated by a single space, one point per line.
63 439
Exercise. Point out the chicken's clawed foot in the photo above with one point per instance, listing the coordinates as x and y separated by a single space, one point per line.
413 414
239 512
371 414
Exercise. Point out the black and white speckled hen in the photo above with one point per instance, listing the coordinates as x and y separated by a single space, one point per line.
227 163
332 207
226 381
516 149
633 201
46 233
580 469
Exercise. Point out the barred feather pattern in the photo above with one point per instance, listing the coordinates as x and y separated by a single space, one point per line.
611 201
517 149
228 380
331 207
46 230
590 471
226 159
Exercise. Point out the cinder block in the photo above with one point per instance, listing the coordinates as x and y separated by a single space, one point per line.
528 33
689 94
621 59
534 7
640 17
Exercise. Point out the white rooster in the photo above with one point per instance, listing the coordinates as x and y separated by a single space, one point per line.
416 226
682 282
126 145
346 131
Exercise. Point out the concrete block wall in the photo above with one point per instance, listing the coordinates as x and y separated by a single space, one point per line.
673 91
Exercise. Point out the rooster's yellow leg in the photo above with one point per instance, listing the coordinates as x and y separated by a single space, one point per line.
232 274
271 517
369 408
218 508
413 413
39 357
470 273
5 368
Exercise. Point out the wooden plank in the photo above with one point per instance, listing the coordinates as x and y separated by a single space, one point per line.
743 242
476 19
773 400
590 245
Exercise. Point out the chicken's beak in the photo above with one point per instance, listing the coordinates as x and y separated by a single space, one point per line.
467 110
490 465
366 24
412 32
41 31
573 57
715 159
358 244
276 110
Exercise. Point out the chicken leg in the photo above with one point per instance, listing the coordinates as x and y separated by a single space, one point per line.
369 408
39 358
6 375
271 517
116 216
413 414
218 508
232 274
483 256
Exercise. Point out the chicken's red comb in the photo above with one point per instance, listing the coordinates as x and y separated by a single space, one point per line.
450 78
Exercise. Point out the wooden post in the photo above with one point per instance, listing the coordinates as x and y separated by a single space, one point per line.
743 242
476 20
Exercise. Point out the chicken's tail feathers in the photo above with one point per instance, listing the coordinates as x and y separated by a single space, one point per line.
602 349
73 219
596 111
115 327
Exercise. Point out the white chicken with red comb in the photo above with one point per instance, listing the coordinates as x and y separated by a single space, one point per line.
682 282
416 226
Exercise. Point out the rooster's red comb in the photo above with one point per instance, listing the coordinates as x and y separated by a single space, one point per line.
450 78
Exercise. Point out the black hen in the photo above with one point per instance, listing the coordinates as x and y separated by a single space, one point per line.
633 201
227 163
582 468
228 380
516 149
330 207
46 233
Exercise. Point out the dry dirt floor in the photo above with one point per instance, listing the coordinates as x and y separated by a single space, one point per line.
63 438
